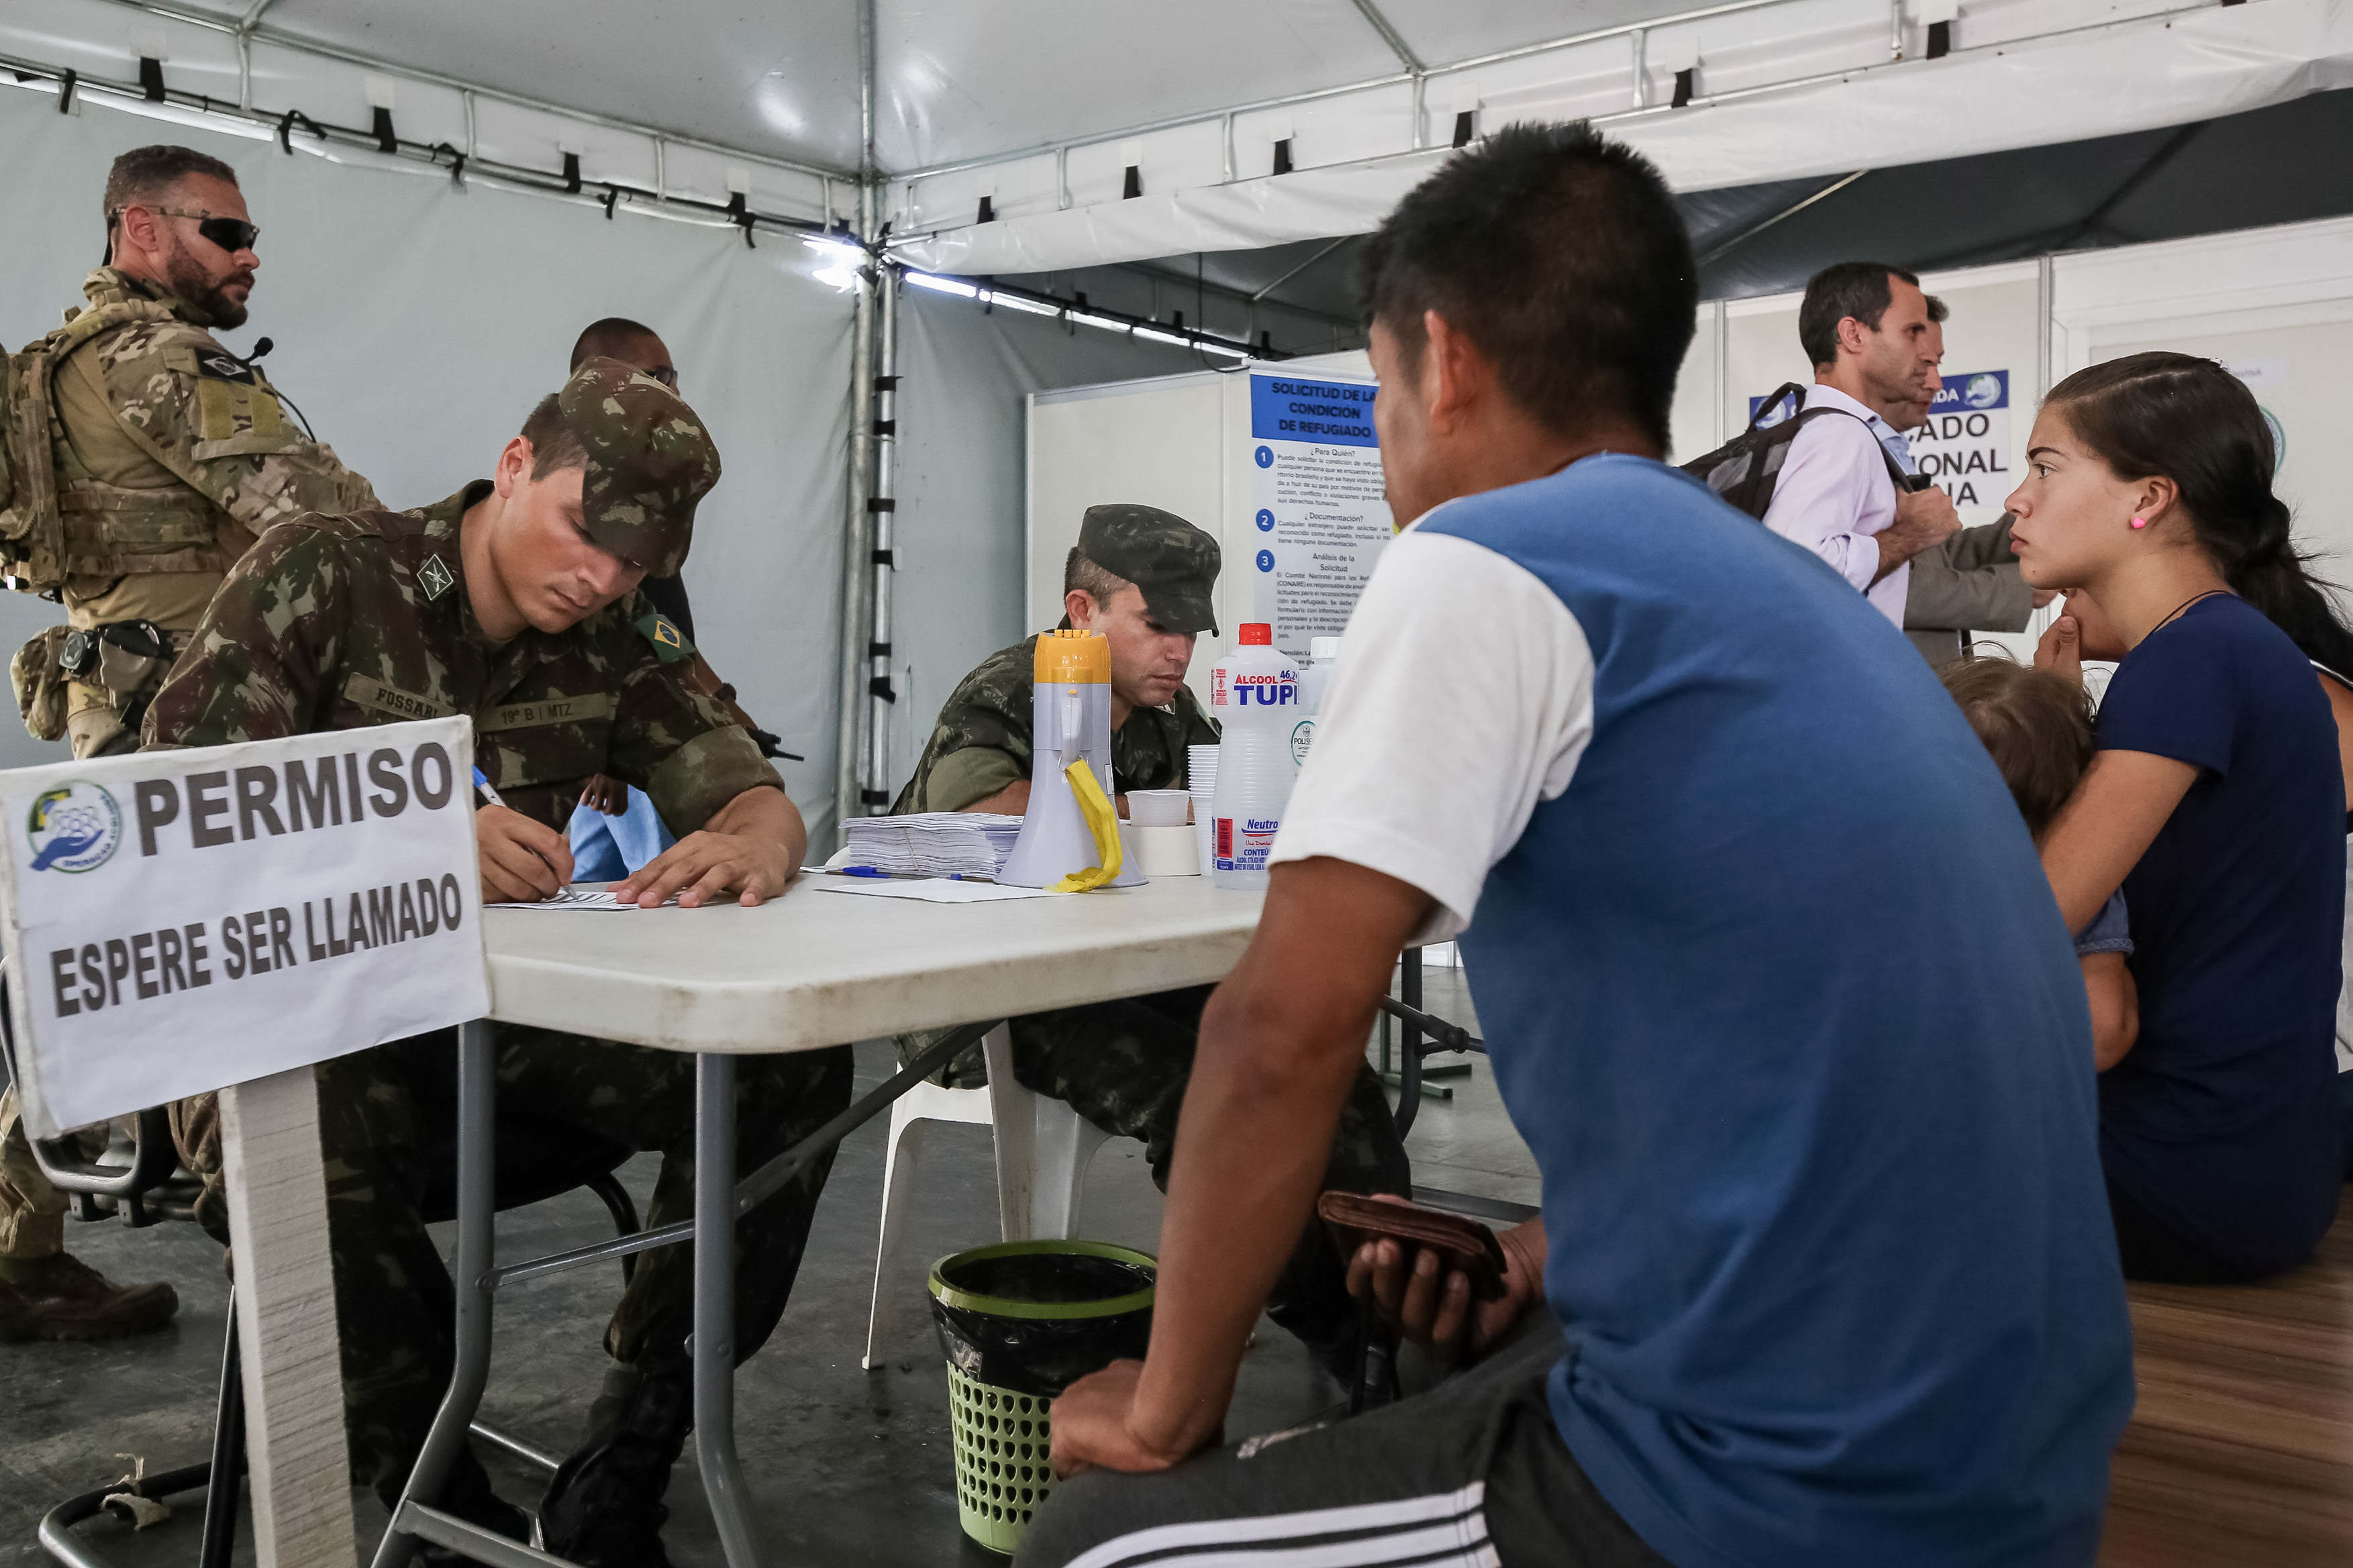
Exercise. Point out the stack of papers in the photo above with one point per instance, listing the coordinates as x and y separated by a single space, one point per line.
933 843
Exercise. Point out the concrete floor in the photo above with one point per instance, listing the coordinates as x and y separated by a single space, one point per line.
846 1468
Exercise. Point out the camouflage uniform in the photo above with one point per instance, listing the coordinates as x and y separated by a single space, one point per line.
981 743
168 457
1125 1065
171 455
338 623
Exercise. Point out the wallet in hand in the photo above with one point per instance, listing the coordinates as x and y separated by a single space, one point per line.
1462 1242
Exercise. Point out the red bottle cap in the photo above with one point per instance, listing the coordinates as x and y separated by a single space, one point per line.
1257 634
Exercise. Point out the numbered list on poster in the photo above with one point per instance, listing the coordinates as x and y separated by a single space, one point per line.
1320 518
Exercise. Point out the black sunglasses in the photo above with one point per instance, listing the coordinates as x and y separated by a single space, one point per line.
231 234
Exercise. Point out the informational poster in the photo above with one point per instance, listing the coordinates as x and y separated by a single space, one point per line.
179 921
1320 515
1963 445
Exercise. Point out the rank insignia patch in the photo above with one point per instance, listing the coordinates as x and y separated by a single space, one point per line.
436 576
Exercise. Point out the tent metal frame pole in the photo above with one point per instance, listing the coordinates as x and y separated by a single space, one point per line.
857 536
881 698
858 542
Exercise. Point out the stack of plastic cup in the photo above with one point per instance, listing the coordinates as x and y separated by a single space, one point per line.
1201 782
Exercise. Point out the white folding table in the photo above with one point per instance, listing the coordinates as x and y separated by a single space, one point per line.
808 970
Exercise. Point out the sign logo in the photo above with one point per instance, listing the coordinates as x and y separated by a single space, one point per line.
74 827
436 576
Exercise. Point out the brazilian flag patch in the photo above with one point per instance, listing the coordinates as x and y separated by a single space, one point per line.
670 642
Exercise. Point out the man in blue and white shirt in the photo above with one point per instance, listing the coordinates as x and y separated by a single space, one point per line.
1824 1274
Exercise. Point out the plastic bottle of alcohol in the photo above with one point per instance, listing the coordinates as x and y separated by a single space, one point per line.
1254 697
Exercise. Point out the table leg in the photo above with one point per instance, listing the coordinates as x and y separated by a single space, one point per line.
477 1236
714 1307
291 1362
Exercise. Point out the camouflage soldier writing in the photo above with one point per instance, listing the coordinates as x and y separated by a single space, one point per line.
166 454
516 601
1146 579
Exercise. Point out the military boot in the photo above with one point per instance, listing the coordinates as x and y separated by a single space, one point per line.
60 1297
466 1494
604 1508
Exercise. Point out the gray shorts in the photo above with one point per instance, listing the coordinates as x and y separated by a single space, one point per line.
1470 1475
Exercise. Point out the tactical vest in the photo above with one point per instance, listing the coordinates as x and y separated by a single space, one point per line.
56 520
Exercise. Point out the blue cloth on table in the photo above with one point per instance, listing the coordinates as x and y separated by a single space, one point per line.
607 848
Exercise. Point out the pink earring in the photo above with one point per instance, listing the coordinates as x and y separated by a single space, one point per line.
2140 522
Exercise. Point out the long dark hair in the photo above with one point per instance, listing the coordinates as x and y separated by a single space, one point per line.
2194 422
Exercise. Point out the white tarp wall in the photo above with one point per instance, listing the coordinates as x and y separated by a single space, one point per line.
957 596
1782 89
417 322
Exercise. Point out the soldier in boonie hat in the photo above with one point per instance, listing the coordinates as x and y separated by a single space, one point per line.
649 463
1174 562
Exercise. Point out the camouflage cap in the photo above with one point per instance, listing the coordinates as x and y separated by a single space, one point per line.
1174 562
649 462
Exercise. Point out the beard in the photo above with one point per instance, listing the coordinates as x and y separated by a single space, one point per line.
191 283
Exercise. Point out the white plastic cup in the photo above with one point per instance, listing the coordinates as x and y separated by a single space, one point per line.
1159 808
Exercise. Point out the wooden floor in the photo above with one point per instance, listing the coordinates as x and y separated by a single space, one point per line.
2241 1447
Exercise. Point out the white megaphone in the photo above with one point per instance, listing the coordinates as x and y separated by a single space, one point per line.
1070 836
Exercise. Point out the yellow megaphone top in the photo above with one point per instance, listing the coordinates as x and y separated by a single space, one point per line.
1072 658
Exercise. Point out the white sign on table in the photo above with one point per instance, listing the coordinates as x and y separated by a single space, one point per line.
224 917
183 921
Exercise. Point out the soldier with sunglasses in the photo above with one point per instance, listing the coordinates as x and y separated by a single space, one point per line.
168 454
167 457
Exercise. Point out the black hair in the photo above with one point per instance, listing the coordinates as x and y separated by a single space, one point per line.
1084 572
2194 422
1559 253
145 173
602 339
555 442
1856 288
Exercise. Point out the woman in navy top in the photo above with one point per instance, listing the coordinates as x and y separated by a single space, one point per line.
2216 803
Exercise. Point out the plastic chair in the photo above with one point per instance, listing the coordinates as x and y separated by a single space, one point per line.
1043 1149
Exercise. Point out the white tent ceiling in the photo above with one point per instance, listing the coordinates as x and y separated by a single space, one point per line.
956 79
1093 132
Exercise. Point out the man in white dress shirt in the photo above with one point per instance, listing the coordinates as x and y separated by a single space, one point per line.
1874 339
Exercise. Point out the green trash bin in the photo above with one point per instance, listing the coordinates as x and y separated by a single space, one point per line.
1019 1322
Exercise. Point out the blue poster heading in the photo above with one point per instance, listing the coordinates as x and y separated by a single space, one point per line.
1337 413
1966 391
1973 393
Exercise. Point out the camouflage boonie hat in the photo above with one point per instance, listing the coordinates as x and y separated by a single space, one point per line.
1174 562
650 462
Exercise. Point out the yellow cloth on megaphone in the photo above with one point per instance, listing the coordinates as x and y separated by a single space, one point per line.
1102 821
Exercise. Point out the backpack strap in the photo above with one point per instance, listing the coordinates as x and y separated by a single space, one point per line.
1894 470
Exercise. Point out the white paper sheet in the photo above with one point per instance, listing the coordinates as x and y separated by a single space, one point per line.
927 889
580 898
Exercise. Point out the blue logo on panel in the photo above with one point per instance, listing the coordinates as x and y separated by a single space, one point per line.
1263 457
1971 392
1265 520
1266 560
1964 392
1336 413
